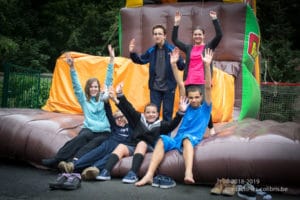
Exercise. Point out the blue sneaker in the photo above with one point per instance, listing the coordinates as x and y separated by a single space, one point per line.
164 182
104 175
246 191
131 177
156 181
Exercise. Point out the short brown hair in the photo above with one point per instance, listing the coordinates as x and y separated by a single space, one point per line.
150 105
159 26
193 88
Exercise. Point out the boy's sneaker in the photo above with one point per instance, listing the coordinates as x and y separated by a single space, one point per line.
263 195
156 181
104 175
73 182
246 192
59 181
131 177
218 188
229 187
67 167
90 173
164 182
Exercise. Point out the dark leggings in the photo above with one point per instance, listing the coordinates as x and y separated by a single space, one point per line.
85 141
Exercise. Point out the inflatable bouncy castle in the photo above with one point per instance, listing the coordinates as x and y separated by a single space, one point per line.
244 147
236 93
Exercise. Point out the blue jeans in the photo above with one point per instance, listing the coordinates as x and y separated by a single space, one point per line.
166 98
96 157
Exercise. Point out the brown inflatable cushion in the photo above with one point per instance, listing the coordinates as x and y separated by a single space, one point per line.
267 151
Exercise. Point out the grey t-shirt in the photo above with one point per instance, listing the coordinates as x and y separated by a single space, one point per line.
160 81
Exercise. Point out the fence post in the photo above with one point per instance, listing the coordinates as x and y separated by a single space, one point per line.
5 86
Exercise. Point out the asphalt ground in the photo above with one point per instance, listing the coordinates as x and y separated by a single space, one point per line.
19 180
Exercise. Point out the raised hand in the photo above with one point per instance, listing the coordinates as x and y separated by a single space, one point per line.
111 92
69 60
177 18
174 55
104 93
111 53
207 57
131 45
119 88
183 103
213 14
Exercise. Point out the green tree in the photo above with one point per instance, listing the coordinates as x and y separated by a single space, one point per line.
279 50
34 33
19 41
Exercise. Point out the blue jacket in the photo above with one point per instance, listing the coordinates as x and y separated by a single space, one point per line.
150 57
95 117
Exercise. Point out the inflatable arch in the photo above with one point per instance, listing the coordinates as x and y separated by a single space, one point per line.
234 86
244 149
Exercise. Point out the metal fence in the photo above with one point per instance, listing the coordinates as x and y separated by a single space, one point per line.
280 102
23 88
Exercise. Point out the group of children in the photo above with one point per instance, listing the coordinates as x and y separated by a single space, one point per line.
105 137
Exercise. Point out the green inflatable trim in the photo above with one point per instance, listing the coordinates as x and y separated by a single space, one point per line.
120 34
251 96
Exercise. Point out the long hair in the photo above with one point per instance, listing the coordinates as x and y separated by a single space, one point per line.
87 88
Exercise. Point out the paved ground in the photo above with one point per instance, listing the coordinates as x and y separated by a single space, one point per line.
22 181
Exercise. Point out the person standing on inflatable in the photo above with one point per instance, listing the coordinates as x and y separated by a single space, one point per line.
194 71
162 83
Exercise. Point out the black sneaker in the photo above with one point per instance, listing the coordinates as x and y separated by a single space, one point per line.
73 182
59 181
246 191
50 162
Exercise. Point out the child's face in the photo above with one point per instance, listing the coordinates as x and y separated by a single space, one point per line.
151 114
94 89
195 98
120 119
159 36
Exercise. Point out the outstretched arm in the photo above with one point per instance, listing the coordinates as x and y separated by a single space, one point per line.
177 18
216 40
110 68
174 56
79 93
182 46
207 58
109 74
124 105
111 51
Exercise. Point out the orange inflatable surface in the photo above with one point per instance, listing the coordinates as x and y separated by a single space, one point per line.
135 77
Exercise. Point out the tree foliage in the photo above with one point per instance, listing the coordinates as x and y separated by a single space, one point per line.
34 33
279 49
